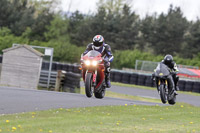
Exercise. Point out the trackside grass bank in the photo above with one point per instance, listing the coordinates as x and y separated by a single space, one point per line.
180 118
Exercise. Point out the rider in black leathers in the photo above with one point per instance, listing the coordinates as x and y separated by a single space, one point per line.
168 60
173 78
99 45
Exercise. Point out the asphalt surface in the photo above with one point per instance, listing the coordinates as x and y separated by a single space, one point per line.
186 98
16 100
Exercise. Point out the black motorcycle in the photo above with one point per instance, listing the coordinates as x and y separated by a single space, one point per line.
162 72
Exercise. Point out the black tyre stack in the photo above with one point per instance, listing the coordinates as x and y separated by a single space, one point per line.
70 68
141 79
65 67
118 76
181 85
76 69
112 76
45 65
126 78
72 82
59 66
196 87
149 82
1 58
134 78
189 85
54 66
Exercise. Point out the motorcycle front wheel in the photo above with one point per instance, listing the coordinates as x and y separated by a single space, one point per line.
163 95
88 85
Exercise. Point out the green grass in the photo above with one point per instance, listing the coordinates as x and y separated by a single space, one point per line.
180 118
109 119
125 96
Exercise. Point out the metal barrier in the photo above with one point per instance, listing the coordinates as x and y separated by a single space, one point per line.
43 81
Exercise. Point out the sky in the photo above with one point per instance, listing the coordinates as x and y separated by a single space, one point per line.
190 8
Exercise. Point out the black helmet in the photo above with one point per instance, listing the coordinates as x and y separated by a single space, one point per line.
98 41
168 59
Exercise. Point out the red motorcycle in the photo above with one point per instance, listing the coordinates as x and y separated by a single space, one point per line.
93 74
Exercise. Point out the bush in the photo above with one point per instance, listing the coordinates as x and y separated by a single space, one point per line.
127 58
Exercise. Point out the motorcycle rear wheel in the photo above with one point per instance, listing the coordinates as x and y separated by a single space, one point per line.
88 85
163 95
100 94
173 100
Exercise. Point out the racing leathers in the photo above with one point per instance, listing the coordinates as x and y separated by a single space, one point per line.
106 53
174 78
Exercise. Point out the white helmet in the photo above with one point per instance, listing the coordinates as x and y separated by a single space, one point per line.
98 41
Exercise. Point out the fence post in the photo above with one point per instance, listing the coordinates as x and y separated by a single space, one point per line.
59 80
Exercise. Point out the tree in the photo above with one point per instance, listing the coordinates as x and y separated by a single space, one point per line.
76 20
169 30
7 39
58 27
112 6
192 47
16 15
146 28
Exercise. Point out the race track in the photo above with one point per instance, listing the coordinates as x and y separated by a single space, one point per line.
16 100
185 98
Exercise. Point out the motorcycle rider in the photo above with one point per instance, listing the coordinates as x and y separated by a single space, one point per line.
173 80
99 45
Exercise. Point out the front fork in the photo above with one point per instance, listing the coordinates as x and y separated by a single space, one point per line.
165 85
94 77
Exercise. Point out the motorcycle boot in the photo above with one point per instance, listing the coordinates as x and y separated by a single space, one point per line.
171 85
176 79
107 79
107 74
176 83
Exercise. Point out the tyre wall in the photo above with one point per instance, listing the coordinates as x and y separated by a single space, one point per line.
120 76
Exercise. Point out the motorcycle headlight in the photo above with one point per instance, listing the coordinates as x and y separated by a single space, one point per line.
94 63
87 62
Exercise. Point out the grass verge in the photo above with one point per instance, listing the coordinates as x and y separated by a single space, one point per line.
180 118
124 96
109 119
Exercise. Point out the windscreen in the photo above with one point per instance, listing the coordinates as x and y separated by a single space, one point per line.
162 70
93 53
